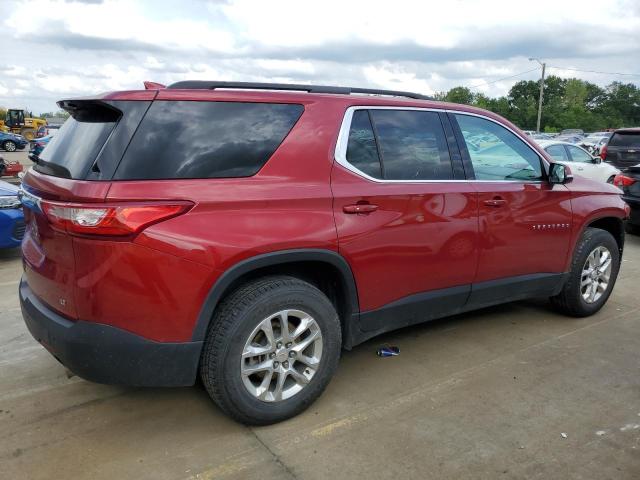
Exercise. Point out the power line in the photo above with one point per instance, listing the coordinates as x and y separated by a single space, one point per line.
595 71
505 78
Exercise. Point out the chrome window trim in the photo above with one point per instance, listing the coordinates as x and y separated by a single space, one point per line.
340 154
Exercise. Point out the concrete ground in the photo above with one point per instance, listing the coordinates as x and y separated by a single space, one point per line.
515 391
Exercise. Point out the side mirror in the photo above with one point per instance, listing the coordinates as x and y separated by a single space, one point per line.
597 160
559 173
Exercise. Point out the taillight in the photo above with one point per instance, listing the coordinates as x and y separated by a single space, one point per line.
622 180
109 220
603 153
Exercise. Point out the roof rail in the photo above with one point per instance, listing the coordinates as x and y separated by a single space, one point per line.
206 85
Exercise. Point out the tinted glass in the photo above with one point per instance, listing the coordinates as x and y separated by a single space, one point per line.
362 151
625 140
579 155
206 139
496 153
412 145
75 146
557 152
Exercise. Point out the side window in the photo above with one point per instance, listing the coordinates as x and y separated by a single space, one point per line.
579 155
557 152
362 151
496 153
185 139
412 145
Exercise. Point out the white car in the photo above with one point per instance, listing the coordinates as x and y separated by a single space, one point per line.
580 161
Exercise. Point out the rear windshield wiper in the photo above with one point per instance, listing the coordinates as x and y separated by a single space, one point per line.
49 168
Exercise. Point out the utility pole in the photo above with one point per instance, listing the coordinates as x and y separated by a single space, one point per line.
541 92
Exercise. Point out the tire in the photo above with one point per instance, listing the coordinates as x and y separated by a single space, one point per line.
9 146
29 134
570 300
236 321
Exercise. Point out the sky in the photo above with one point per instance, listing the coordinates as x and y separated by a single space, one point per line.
54 49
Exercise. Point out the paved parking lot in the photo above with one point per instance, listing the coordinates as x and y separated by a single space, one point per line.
490 394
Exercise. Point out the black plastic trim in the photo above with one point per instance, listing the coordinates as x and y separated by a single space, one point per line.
423 307
105 354
212 85
462 147
494 292
281 257
454 150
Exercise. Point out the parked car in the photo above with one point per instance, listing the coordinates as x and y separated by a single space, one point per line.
11 142
623 148
541 136
37 145
629 183
575 139
582 162
595 141
11 216
295 221
572 131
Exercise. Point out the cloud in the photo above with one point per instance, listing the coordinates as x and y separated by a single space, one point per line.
82 47
76 41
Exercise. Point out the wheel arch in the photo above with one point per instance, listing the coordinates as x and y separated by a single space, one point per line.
613 225
326 269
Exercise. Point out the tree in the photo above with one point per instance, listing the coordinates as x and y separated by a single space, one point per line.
459 95
567 103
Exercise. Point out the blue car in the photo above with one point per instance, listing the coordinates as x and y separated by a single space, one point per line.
12 142
37 145
11 216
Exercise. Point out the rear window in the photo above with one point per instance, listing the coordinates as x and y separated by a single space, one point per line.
74 147
206 139
625 140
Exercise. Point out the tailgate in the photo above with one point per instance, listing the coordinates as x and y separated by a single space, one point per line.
49 264
75 167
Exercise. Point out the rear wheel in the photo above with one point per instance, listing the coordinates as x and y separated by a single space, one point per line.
9 146
594 269
29 133
272 348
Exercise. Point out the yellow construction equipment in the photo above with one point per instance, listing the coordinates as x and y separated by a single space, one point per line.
16 122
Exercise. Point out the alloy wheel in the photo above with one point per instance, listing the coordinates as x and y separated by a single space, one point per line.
596 274
281 355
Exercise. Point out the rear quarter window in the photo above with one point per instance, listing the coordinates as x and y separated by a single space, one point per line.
187 139
73 149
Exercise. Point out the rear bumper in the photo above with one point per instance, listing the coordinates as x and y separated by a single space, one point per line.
634 203
104 354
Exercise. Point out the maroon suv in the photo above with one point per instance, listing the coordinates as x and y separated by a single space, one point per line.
247 233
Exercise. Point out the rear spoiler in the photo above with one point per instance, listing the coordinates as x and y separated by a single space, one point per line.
153 86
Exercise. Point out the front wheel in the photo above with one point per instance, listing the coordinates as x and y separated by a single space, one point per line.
29 134
594 269
272 348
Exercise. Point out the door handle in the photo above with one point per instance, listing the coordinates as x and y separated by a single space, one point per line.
360 208
580 168
495 202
